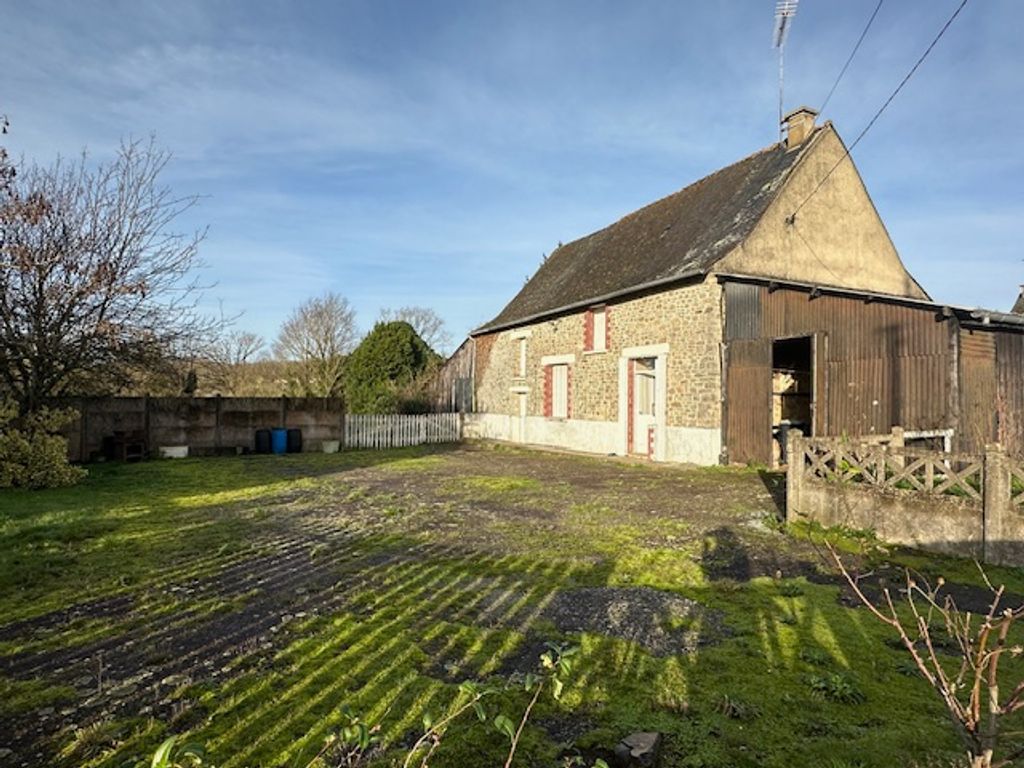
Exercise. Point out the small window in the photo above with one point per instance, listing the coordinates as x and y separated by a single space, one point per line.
522 358
560 391
600 329
595 330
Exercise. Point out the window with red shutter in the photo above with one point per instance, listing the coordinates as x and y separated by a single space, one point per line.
568 391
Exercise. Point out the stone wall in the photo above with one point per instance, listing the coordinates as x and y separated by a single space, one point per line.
687 319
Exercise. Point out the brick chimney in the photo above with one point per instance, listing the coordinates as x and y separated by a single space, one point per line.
799 123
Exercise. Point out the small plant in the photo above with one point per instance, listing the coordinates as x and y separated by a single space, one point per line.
349 745
555 666
171 754
790 589
736 709
92 740
577 761
814 656
907 668
434 731
836 687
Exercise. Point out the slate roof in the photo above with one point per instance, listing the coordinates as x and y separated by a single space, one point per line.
677 237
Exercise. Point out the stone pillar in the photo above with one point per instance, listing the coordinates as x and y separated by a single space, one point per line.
794 472
996 530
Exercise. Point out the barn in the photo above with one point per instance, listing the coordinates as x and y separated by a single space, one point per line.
762 298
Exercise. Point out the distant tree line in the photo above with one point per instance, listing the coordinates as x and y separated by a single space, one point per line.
100 295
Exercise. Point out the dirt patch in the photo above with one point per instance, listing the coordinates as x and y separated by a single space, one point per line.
660 622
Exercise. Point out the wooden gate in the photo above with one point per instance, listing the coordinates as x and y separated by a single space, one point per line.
748 422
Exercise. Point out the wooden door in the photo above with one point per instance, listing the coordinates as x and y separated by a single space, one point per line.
748 393
978 390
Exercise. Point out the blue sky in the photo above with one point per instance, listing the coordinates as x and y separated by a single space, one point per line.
429 152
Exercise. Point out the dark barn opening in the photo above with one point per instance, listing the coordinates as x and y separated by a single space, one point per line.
792 391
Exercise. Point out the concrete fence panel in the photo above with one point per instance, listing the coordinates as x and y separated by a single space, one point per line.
961 504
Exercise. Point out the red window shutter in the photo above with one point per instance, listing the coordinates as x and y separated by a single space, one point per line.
588 330
568 390
548 392
630 369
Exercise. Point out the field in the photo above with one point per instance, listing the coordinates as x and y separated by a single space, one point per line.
246 601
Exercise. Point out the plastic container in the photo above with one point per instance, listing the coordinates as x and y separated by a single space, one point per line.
294 441
278 440
330 446
262 441
173 451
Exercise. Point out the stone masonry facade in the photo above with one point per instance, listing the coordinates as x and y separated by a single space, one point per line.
688 319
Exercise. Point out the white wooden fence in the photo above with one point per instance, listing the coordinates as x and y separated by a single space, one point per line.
396 430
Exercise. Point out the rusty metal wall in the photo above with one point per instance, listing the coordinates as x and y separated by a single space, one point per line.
884 364
978 390
748 413
1010 390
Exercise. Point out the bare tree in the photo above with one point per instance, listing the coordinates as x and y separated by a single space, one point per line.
929 626
226 364
7 172
316 337
96 284
426 322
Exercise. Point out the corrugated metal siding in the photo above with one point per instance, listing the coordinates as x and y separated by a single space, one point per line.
742 311
885 364
1010 384
748 401
978 390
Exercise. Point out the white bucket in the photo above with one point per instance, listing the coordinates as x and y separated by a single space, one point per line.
330 446
173 451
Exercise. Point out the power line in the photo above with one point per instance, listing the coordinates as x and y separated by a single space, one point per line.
878 114
852 54
818 258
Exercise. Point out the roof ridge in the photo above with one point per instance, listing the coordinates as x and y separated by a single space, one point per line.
681 190
680 234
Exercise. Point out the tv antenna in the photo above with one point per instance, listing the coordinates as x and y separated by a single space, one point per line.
785 10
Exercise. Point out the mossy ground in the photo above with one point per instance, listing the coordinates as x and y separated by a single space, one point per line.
245 600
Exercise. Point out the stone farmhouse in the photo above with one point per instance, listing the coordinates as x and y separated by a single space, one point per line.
764 297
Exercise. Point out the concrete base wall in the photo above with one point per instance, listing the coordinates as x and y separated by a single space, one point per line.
684 444
693 445
937 523
204 424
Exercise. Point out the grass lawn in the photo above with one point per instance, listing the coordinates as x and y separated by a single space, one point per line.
245 601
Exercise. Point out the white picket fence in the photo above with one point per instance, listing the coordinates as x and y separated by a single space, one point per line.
397 431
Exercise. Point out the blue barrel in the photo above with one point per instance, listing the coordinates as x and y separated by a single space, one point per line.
278 440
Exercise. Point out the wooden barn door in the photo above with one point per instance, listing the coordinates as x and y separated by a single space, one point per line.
748 397
978 390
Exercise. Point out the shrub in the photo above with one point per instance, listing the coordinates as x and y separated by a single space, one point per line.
32 452
384 372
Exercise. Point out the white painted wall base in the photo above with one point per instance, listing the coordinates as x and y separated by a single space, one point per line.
693 445
487 426
684 444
